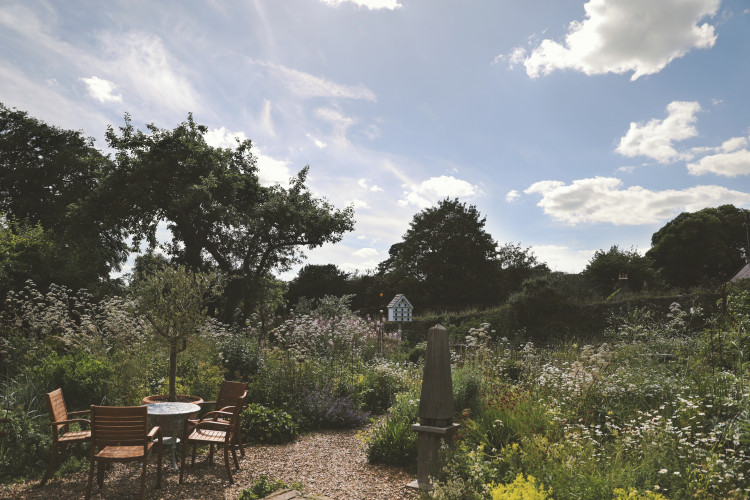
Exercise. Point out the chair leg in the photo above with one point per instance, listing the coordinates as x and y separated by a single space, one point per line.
90 482
234 455
100 474
51 465
143 478
158 468
226 463
185 446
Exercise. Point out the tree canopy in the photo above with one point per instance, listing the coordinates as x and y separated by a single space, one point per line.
314 281
603 270
446 258
47 175
219 214
703 247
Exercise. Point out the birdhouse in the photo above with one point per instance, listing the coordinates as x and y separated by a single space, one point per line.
400 309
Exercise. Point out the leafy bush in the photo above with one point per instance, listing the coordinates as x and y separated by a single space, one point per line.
467 385
392 441
25 449
323 408
378 387
522 488
240 356
266 425
85 379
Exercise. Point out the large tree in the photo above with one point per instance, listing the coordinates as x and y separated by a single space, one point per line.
314 281
446 259
47 175
603 271
219 214
702 247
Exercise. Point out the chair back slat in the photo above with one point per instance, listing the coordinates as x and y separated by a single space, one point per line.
230 391
56 406
123 425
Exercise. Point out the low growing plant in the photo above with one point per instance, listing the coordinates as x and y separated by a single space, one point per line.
267 425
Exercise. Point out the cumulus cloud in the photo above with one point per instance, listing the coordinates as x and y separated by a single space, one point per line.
512 196
365 184
603 199
562 258
270 170
102 90
357 203
368 4
654 139
306 86
619 36
366 253
726 164
434 189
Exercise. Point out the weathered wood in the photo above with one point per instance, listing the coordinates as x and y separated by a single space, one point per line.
61 434
436 399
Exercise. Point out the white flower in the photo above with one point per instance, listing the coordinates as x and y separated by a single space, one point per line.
663 471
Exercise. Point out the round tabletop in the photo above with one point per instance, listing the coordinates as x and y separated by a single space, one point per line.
172 409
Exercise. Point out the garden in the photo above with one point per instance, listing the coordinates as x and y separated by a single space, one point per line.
654 406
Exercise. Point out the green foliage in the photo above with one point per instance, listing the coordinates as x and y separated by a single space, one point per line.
173 300
378 386
25 449
241 356
522 488
266 425
392 441
446 258
46 177
715 238
314 281
264 486
84 379
604 269
216 208
467 388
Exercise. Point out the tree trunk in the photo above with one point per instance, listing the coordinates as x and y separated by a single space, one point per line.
172 371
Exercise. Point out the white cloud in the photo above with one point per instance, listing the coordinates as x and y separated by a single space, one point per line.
270 170
154 75
654 139
368 4
602 199
357 203
512 196
562 258
339 122
733 144
318 143
366 253
376 189
434 189
102 90
306 85
365 184
726 164
619 36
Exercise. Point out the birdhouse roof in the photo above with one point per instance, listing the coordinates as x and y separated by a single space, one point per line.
743 273
397 299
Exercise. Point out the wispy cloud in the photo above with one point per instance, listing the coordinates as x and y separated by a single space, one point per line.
307 86
368 4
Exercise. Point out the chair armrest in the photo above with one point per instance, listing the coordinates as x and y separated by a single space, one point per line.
155 431
201 404
210 424
79 412
71 421
218 413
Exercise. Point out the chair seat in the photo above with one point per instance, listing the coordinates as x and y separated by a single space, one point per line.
122 452
208 436
75 436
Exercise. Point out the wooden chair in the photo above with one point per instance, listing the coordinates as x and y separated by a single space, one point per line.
60 420
119 434
229 392
215 428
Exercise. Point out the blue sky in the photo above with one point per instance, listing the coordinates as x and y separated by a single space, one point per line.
571 125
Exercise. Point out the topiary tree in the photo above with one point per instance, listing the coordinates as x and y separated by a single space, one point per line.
173 300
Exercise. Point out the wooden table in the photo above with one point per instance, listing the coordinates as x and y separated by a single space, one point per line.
172 416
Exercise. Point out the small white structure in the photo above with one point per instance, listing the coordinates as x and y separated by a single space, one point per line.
400 309
742 274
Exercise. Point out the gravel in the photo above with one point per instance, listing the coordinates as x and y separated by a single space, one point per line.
328 463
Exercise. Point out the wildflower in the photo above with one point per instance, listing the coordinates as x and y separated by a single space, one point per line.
663 471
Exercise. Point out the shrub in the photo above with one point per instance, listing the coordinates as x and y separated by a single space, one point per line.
521 489
84 379
378 387
392 441
240 356
322 408
266 425
467 384
25 449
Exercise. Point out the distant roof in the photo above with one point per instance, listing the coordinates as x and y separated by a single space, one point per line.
743 273
396 300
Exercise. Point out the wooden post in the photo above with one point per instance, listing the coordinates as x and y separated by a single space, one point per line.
435 407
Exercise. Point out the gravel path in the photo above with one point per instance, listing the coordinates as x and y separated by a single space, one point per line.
329 463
